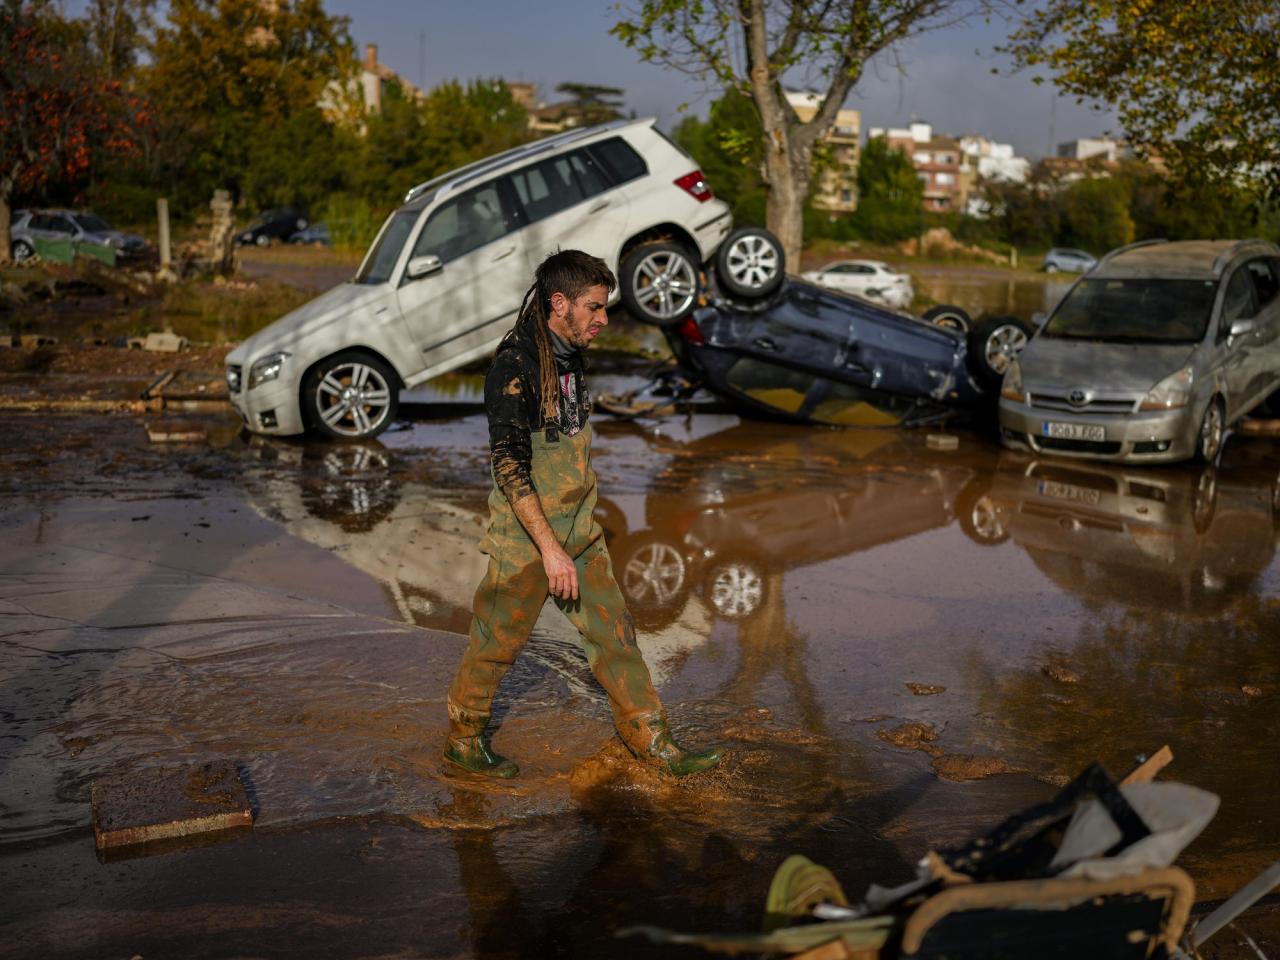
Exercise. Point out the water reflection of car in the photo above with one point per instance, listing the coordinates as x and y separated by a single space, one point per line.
1183 538
317 234
872 280
811 354
1152 355
1069 260
718 526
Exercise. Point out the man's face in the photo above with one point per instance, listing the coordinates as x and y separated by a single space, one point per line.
579 321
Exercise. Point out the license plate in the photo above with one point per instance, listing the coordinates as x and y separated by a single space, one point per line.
1069 491
1073 431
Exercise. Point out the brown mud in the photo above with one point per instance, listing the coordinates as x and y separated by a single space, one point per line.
880 635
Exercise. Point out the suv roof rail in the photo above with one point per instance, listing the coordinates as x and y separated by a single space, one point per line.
1112 254
450 181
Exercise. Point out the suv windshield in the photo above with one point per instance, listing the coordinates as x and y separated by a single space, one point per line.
381 260
1134 311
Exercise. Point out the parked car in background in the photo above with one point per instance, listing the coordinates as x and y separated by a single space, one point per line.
1072 261
278 224
445 276
1152 355
316 233
870 279
77 226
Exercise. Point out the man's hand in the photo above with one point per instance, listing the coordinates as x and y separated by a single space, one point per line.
562 575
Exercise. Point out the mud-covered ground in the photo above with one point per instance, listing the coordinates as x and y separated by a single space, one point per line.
898 647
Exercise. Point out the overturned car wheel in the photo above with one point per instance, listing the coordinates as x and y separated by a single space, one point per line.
994 342
750 263
659 283
944 315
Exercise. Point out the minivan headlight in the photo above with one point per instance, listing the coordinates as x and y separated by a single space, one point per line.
1170 393
266 369
1011 386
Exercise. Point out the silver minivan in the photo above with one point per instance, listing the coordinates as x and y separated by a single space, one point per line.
1152 355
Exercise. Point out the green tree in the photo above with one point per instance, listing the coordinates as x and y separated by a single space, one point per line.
1095 214
890 194
227 72
750 45
591 103
1197 83
729 148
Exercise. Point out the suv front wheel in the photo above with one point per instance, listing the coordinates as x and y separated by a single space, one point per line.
350 396
659 282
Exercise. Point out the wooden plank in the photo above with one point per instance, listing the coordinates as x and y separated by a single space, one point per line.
162 804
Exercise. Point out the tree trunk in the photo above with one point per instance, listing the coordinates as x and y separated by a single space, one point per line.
788 184
6 242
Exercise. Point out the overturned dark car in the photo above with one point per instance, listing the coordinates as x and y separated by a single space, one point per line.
806 353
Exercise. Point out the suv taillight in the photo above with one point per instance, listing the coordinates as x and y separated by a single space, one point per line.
689 329
696 186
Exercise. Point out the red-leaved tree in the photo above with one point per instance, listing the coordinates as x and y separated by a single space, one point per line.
56 112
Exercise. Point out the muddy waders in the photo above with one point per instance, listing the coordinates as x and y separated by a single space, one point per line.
511 596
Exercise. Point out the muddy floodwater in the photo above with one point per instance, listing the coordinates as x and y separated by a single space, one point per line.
897 646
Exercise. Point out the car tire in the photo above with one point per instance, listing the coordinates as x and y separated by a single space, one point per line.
750 263
1213 426
333 412
21 250
1050 268
945 315
659 283
1204 499
262 240
993 343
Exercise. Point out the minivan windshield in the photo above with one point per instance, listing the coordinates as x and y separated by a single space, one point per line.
1134 311
381 260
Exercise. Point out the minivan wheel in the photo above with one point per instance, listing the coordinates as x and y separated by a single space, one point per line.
22 251
994 342
1212 426
350 396
750 263
659 283
262 240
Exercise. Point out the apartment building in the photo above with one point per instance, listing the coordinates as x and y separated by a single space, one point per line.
938 161
987 161
1096 148
837 188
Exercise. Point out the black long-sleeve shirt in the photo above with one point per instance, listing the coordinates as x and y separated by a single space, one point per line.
512 403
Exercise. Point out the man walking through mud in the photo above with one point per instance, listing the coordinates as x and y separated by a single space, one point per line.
542 536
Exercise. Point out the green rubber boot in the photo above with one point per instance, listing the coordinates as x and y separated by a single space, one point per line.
649 738
468 746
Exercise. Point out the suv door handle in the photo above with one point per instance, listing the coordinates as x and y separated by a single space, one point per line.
597 207
502 254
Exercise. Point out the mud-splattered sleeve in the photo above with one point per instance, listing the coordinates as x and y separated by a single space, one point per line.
508 413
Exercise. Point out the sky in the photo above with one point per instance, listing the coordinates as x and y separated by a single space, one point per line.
946 80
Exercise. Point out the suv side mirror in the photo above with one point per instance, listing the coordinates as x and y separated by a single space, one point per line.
423 266
1240 328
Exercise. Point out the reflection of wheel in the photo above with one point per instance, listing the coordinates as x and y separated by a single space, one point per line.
349 485
653 577
659 282
750 263
953 318
22 251
350 396
993 343
1212 426
262 240
735 588
979 516
1204 498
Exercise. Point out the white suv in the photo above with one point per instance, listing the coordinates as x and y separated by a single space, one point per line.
444 279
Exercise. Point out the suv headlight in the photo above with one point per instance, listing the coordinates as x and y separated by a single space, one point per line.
1170 393
1011 386
266 369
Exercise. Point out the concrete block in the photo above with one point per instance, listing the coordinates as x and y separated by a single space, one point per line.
942 441
165 804
172 431
164 342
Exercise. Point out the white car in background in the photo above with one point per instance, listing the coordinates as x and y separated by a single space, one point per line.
872 280
445 276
